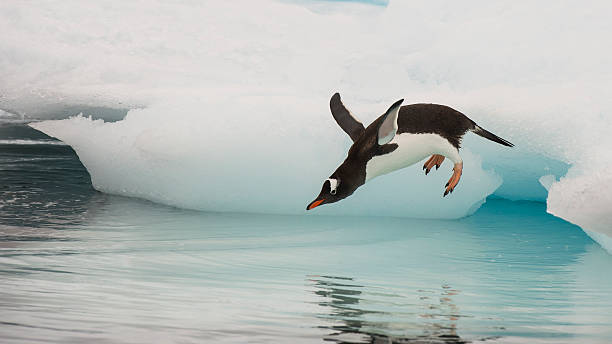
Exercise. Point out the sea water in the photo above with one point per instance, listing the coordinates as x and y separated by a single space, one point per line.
77 265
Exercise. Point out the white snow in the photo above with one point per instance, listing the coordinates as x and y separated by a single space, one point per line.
229 98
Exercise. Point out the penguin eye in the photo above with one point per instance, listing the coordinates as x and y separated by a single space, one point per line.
333 185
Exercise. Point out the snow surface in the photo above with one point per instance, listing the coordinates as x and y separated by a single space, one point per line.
229 99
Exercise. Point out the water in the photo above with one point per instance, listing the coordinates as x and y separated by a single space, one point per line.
81 266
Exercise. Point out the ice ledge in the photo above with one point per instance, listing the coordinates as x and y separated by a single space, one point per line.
584 198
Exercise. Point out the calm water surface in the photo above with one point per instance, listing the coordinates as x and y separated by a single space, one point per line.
80 266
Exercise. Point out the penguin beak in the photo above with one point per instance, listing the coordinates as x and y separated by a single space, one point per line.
315 203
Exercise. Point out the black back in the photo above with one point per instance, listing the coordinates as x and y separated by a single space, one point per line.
435 119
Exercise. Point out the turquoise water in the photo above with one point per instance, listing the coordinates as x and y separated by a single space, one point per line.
80 266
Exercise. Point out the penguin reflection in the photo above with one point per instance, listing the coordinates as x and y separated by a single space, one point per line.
343 297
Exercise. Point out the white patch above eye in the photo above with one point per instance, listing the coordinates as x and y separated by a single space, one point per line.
333 185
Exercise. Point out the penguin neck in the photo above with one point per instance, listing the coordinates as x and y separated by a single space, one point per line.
351 174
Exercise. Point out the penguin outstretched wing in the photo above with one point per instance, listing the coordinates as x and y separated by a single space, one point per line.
388 127
345 120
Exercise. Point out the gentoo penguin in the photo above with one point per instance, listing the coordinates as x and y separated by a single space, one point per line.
402 136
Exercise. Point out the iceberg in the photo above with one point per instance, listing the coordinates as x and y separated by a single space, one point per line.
228 110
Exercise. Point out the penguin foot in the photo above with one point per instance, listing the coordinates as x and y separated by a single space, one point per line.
454 180
435 160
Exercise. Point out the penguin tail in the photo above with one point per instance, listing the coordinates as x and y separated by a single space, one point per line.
488 135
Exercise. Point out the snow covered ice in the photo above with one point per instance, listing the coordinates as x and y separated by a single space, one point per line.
229 107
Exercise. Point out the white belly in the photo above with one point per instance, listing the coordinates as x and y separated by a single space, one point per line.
411 149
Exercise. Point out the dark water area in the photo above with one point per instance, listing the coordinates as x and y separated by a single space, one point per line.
42 182
78 266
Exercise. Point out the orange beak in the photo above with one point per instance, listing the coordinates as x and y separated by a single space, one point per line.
315 204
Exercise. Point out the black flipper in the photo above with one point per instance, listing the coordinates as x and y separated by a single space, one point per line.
488 135
345 120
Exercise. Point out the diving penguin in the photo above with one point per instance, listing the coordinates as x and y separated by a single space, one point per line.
402 136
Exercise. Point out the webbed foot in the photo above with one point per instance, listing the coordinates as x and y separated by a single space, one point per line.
454 180
435 160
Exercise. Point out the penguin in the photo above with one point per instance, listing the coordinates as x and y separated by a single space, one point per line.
402 136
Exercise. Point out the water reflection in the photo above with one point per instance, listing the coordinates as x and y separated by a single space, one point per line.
347 304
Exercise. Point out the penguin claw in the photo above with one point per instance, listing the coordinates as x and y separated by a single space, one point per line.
448 191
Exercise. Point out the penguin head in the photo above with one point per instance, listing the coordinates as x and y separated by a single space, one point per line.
330 192
334 189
